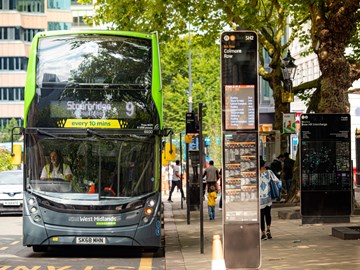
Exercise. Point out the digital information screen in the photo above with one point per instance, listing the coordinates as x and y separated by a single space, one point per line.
239 107
325 152
325 162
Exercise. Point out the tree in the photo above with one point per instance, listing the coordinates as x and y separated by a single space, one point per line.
172 19
5 160
6 135
205 62
334 29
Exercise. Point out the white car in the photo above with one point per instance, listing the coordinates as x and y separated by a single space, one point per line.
11 191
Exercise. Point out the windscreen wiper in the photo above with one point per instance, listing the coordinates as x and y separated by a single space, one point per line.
92 132
40 131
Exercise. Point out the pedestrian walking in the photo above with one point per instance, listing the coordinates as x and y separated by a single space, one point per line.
265 199
176 181
276 165
212 175
211 202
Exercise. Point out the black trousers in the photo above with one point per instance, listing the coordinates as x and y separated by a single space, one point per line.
265 216
176 184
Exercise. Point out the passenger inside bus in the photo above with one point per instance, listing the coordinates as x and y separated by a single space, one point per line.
56 168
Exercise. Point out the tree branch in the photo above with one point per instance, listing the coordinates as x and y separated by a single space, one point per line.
305 86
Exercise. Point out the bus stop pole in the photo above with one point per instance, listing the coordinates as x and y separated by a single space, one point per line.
201 150
181 172
187 184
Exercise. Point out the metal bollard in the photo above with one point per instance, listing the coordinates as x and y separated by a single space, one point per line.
218 262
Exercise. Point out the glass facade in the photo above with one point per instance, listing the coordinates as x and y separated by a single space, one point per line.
59 26
18 33
59 4
7 4
32 6
13 63
11 94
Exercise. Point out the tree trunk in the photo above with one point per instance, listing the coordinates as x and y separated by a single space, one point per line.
330 34
280 108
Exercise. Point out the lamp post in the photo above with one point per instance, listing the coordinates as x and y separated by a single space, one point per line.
288 69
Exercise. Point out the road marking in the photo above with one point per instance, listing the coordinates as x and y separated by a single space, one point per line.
117 267
3 248
145 263
14 243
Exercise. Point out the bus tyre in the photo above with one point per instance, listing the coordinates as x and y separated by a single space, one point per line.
159 252
40 248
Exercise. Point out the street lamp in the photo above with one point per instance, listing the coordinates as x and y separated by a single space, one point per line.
288 69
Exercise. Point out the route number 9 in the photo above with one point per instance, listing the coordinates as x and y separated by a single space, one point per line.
130 108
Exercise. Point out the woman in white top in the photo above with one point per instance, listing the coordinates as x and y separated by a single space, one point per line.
265 199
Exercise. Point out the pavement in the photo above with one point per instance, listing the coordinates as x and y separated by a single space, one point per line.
293 246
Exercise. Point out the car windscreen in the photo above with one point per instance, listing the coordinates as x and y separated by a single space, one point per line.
11 178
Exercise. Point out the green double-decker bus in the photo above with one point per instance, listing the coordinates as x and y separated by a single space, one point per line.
93 138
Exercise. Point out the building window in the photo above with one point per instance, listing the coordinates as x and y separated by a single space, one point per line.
7 4
11 94
59 4
266 93
59 26
32 6
18 33
6 121
13 63
79 16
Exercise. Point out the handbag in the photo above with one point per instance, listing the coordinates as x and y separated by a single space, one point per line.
274 190
274 187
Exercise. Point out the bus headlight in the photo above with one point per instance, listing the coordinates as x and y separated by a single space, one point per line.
148 211
33 209
31 201
145 219
151 202
37 218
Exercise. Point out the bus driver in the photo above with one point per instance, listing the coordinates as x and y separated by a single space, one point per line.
57 168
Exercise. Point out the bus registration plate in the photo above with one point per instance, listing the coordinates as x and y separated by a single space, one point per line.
90 240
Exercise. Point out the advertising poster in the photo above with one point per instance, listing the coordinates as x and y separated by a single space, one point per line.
289 123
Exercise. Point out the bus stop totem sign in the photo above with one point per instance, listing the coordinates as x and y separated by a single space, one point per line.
239 80
325 162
